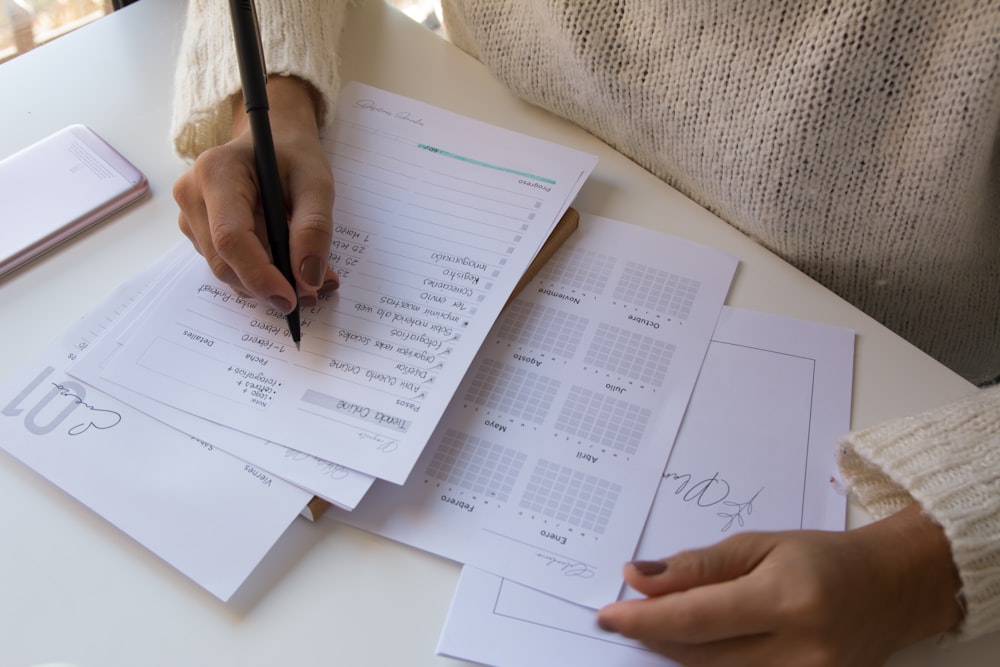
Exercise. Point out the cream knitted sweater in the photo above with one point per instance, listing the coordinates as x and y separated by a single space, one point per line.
860 141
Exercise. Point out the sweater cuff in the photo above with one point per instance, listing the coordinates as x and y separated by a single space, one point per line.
299 38
948 460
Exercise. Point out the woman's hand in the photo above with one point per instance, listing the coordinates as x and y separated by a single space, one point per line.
804 598
220 209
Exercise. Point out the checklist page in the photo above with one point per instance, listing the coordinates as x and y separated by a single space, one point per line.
331 482
437 216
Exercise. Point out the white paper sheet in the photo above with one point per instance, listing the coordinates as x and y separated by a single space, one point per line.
332 482
755 452
436 218
546 463
206 513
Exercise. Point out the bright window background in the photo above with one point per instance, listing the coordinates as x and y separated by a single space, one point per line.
24 24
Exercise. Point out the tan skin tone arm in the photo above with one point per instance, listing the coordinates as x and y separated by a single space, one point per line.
219 202
803 598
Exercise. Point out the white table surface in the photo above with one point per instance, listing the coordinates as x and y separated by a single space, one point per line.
74 589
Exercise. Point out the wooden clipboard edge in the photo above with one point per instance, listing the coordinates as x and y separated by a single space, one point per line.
567 224
314 508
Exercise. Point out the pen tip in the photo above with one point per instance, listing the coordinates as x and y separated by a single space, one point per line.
298 346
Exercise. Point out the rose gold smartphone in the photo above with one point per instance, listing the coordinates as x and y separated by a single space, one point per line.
58 187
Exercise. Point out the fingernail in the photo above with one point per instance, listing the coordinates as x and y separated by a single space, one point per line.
329 286
307 301
649 568
280 303
311 271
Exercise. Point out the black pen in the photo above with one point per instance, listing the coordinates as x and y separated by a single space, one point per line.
253 75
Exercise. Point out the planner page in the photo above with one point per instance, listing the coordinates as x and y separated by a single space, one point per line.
437 216
210 515
545 465
327 480
755 452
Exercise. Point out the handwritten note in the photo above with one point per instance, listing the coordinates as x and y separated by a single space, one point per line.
545 465
437 216
755 452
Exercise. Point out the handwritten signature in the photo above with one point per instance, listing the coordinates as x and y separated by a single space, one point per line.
327 469
100 419
567 567
372 105
383 445
710 492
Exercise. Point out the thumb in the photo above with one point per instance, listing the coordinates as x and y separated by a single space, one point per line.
729 559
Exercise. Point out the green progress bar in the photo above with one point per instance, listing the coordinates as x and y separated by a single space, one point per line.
479 163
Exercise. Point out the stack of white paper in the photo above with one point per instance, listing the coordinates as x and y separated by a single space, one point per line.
530 446
437 217
755 452
210 515
545 465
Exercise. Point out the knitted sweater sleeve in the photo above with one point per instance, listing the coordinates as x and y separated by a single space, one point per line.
948 460
299 38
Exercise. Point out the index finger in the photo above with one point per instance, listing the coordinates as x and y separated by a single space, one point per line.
727 610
